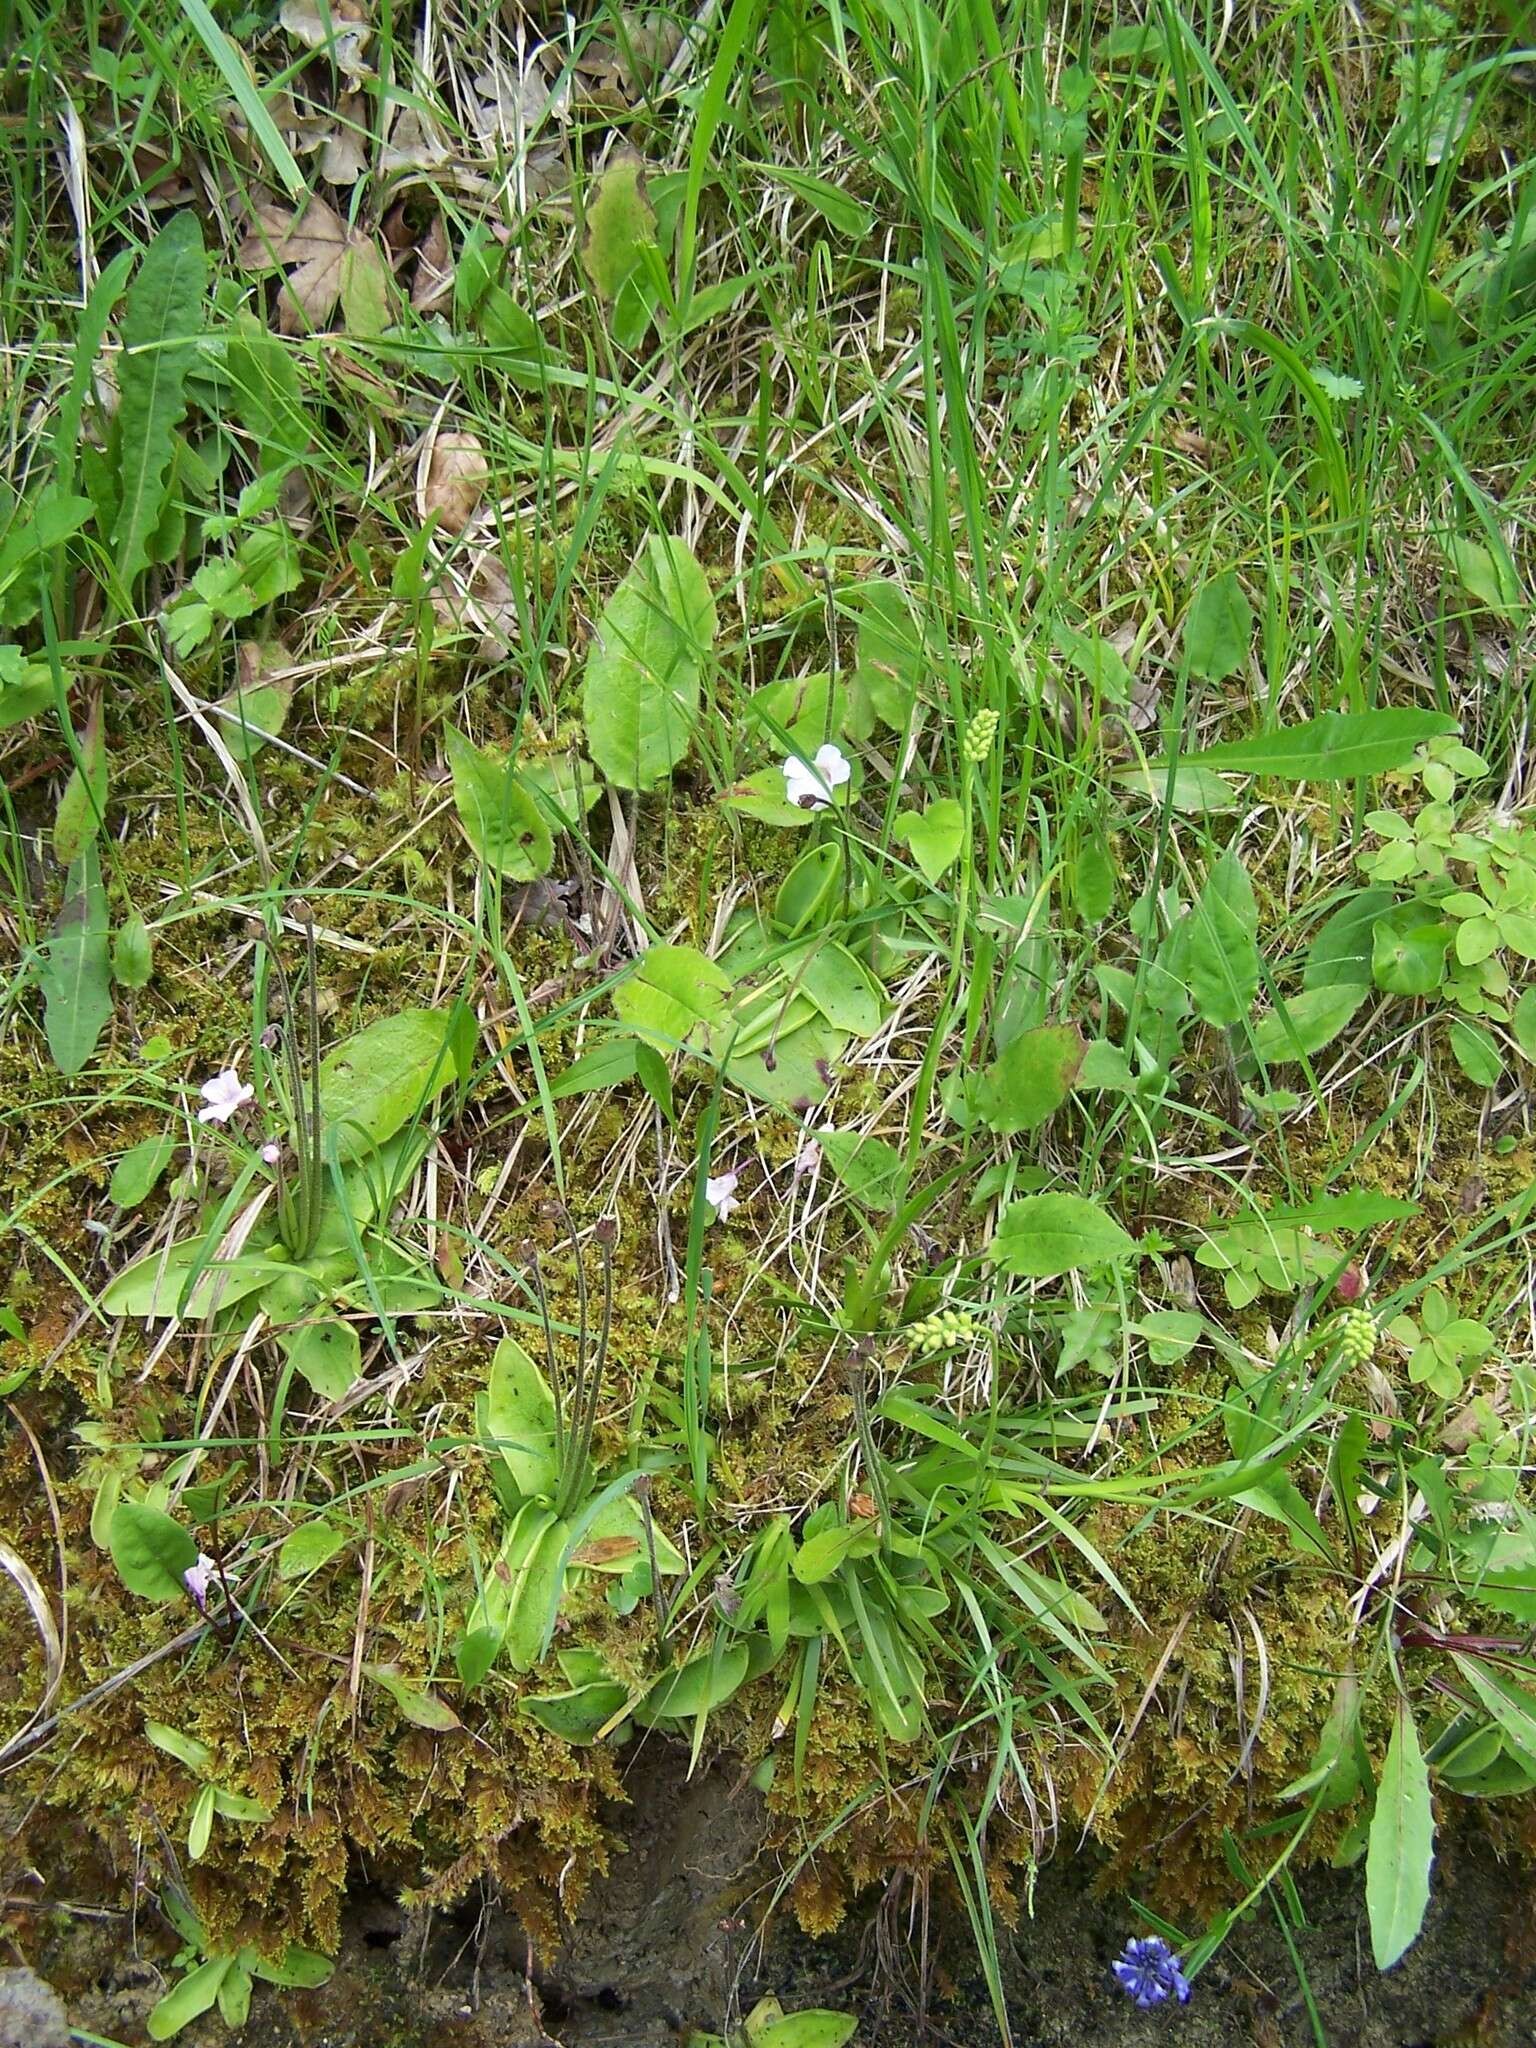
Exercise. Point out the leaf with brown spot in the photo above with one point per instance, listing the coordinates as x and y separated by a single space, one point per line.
607 1550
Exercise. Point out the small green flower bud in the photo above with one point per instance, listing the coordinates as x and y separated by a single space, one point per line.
1357 1335
979 735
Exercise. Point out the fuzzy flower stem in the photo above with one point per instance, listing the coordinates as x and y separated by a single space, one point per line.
857 1367
551 1359
590 1383
642 1492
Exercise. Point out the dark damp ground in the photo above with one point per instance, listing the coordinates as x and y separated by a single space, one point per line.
660 1950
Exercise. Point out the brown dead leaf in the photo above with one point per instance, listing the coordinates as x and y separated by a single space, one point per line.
433 281
344 36
515 103
454 481
325 260
479 602
413 145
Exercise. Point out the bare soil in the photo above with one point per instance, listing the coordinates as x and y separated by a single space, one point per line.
666 1943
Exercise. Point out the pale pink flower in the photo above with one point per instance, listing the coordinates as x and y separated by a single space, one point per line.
222 1096
720 1193
197 1578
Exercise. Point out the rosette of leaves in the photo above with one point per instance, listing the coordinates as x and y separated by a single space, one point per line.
563 1519
217 1977
374 1092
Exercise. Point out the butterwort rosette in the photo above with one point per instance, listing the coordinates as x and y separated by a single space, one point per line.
1148 1971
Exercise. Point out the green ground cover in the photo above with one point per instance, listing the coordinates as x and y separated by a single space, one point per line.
770 882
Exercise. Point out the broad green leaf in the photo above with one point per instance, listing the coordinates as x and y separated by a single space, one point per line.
311 1545
327 1355
1170 1333
819 1556
697 1687
848 215
1093 880
1357 1209
1222 963
235 1995
810 892
151 1551
615 1539
640 693
1408 948
1523 1023
518 1418
1278 1496
797 1067
238 1806
162 319
1097 660
90 334
138 1171
39 526
200 1827
266 394
872 1171
373 1084
299 1969
934 836
762 795
1304 1023
1219 628
1031 1079
1334 1765
194 1994
1401 1846
26 688
154 1284
892 662
82 807
365 292
1336 746
1197 792
1044 1235
1476 1053
674 994
423 1709
133 956
564 787
251 716
186 1749
813 2028
75 968
579 1715
501 818
1493 584
840 986
1340 953
535 1582
621 228
1511 1705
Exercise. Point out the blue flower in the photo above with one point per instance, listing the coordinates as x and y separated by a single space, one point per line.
1150 1972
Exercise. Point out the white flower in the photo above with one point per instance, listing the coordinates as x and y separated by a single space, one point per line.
270 1154
809 785
197 1578
720 1193
222 1096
